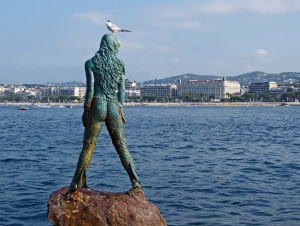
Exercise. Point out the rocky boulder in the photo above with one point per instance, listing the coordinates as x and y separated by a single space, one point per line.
91 207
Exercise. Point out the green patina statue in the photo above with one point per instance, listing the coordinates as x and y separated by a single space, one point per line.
104 73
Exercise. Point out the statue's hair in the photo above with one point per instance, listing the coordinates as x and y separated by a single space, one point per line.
108 66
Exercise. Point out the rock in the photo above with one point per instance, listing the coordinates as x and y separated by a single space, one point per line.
90 207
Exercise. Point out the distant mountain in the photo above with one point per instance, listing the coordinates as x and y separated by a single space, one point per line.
258 76
66 84
243 79
184 77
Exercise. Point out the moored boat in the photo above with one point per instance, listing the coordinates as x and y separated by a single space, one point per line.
23 108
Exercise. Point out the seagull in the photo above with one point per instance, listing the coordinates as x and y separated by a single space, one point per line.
114 28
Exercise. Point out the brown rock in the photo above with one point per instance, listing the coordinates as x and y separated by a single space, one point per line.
90 207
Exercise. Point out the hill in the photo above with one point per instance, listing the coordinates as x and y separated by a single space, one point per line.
244 79
184 77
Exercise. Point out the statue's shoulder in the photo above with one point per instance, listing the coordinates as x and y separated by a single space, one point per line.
89 63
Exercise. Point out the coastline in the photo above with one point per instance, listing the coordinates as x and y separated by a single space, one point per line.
232 104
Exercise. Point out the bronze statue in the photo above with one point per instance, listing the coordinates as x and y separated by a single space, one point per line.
104 73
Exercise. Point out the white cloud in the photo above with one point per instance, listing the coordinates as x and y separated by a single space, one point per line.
263 56
94 18
218 7
261 6
272 6
193 8
259 53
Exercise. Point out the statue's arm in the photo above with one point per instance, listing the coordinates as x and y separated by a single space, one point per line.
121 90
89 84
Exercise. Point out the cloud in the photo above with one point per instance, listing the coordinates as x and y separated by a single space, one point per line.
94 18
194 9
263 56
189 14
260 53
272 6
260 6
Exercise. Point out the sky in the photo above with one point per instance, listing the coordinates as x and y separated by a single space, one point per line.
49 40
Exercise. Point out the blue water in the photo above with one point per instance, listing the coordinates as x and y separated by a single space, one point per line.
199 165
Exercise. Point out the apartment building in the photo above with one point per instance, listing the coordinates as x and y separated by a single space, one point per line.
160 91
262 87
220 88
73 91
131 89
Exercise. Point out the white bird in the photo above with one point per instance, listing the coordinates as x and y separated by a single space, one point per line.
114 28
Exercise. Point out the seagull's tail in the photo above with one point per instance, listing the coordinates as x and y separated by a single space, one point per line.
123 30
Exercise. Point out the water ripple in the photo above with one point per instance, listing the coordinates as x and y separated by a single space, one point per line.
199 165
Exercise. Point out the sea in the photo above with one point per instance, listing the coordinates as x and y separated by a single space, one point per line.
200 165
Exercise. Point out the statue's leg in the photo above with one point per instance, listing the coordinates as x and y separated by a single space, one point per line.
91 133
90 140
115 128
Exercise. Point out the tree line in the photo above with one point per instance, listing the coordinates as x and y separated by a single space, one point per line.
31 98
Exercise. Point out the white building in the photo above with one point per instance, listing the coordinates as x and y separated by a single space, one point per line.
12 91
220 88
2 91
73 91
50 92
131 89
39 95
160 91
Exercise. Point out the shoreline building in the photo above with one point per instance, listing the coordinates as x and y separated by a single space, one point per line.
160 91
262 87
50 92
131 90
76 91
220 88
2 91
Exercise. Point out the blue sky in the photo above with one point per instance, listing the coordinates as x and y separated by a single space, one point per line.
49 40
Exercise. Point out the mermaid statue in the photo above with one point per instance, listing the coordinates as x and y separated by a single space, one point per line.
104 74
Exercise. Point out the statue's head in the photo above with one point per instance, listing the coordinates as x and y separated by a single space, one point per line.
111 43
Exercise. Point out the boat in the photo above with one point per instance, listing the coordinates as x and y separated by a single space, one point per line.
284 104
23 108
69 106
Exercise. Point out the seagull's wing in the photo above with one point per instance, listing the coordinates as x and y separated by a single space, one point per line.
115 27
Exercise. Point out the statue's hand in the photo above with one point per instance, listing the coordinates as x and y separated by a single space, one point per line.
85 116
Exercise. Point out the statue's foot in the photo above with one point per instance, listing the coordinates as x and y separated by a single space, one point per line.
72 188
137 184
85 186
